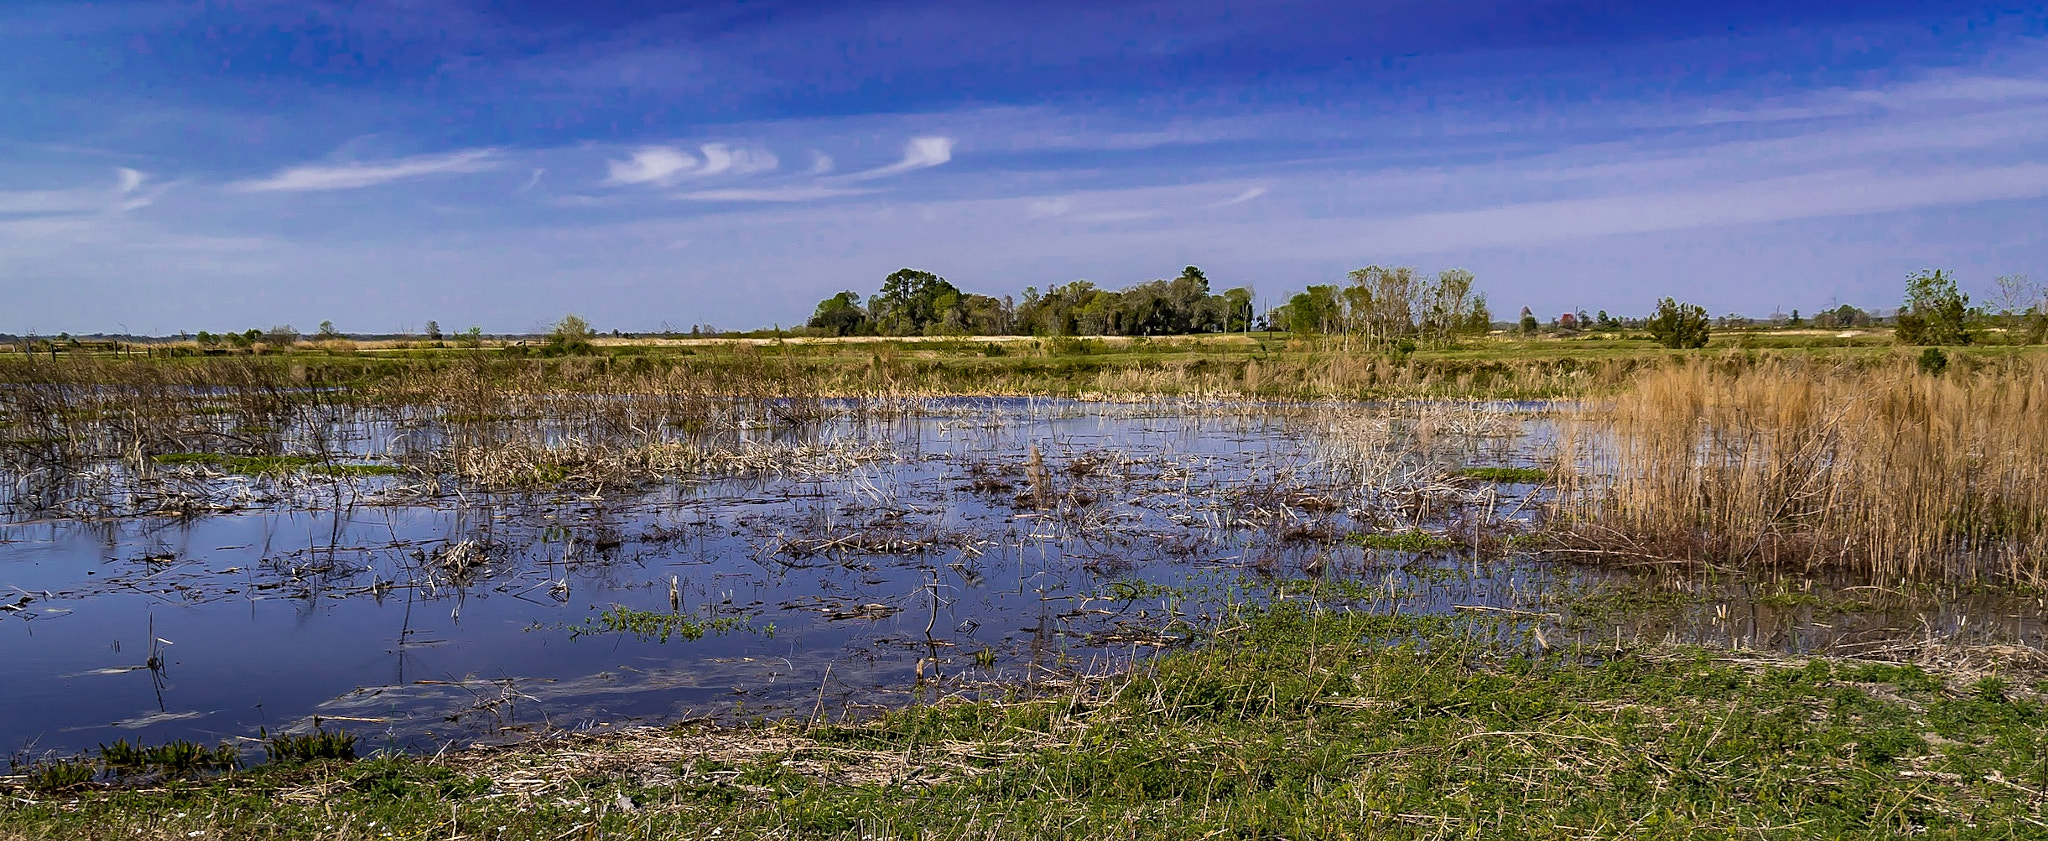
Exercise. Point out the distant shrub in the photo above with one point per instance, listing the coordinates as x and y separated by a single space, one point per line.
1935 312
1679 326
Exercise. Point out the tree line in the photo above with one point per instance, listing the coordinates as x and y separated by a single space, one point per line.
1379 304
913 302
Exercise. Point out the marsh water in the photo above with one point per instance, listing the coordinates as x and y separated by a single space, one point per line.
957 549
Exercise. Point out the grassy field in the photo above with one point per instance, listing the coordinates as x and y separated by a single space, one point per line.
1262 365
1296 720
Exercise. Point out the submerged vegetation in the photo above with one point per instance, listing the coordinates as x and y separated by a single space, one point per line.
660 627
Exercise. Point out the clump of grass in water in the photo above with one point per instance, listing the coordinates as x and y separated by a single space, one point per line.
309 747
176 758
660 627
59 777
265 465
1505 475
1414 540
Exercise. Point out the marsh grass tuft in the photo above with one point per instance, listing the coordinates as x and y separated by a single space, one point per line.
309 747
1505 475
1405 541
177 758
59 777
660 627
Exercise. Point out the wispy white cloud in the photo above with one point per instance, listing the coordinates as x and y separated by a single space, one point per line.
127 195
772 194
665 166
1954 88
921 153
720 159
1047 208
358 175
650 165
1240 198
821 163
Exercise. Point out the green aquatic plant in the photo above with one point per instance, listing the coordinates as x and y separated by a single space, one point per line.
660 627
1505 475
309 747
177 758
1413 540
59 777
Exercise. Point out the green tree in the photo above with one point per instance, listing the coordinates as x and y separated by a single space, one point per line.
327 330
1478 316
912 300
1935 311
841 315
571 333
433 330
473 337
1529 324
1381 302
1676 325
1314 310
1237 309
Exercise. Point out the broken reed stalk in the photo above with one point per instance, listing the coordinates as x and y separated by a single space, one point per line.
1879 470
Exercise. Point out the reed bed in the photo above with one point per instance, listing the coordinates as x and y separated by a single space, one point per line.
1879 470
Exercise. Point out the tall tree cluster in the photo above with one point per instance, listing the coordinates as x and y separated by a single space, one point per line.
1383 304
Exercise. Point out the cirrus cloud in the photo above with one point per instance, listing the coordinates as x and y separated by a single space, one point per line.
356 175
920 153
665 166
772 194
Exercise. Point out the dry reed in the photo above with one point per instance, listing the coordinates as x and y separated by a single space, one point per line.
1879 470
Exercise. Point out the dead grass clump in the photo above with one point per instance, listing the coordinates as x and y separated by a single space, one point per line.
530 464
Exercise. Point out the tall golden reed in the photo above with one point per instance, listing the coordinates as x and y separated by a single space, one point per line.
1808 465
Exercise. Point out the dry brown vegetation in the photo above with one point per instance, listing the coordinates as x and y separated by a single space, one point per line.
1877 469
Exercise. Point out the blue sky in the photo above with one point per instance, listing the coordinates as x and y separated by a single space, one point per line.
187 165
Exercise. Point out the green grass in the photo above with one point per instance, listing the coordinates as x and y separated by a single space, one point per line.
1286 367
653 626
1291 722
1505 475
1404 541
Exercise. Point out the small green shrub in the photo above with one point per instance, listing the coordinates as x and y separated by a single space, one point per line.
1679 326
